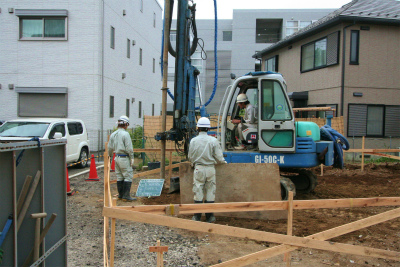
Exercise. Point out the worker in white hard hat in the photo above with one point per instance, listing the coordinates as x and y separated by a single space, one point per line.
250 117
204 152
121 144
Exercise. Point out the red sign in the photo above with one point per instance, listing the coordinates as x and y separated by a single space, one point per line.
253 136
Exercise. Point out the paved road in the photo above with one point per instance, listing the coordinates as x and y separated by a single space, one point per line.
74 170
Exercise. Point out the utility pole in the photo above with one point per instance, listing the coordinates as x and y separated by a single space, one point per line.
167 21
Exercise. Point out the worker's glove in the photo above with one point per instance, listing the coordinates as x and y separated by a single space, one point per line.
132 162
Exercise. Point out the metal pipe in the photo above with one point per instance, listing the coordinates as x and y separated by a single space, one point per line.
164 89
343 68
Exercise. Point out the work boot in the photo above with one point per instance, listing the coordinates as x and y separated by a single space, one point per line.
127 192
210 218
120 187
197 216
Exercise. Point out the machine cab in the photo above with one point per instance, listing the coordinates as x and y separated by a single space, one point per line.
274 128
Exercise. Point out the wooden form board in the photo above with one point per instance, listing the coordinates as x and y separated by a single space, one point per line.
239 182
120 213
268 205
265 236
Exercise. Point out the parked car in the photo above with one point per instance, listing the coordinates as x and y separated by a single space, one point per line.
51 128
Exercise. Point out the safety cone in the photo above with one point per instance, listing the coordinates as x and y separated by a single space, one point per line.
70 192
93 171
113 164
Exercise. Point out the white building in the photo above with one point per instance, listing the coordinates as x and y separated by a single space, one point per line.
238 39
94 60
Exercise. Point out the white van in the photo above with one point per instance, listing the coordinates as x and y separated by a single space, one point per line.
46 128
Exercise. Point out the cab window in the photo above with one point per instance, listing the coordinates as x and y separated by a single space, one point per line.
274 104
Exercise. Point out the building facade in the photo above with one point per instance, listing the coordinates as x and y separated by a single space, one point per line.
349 60
238 39
94 61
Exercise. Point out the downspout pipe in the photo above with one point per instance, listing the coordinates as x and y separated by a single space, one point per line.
343 68
102 81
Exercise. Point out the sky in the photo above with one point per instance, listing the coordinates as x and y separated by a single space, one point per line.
205 8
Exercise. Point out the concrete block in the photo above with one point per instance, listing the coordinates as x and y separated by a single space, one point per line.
239 182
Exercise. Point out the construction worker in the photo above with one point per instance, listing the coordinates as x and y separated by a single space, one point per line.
204 152
121 144
250 117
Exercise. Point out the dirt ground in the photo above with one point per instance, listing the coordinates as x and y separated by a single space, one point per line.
381 180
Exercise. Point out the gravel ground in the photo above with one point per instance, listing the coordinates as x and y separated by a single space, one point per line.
85 228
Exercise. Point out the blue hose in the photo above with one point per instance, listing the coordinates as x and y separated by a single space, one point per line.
215 57
339 143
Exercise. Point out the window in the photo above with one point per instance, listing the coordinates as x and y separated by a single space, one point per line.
268 30
320 53
111 106
58 128
42 101
293 26
140 109
257 65
140 56
74 128
154 20
373 120
274 104
112 37
42 24
154 65
152 109
128 48
354 47
127 107
271 64
227 36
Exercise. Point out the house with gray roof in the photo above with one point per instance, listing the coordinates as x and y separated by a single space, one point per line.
350 60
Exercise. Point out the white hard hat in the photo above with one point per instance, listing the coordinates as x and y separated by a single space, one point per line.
124 119
241 98
203 122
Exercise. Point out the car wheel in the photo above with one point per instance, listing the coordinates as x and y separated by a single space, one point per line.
83 158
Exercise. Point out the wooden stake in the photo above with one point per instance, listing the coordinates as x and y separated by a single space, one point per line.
160 250
28 200
362 153
322 169
289 225
36 248
112 245
24 191
170 163
107 203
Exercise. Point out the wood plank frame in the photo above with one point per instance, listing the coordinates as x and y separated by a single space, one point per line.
152 214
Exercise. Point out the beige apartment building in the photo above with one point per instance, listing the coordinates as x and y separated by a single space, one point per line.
350 60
